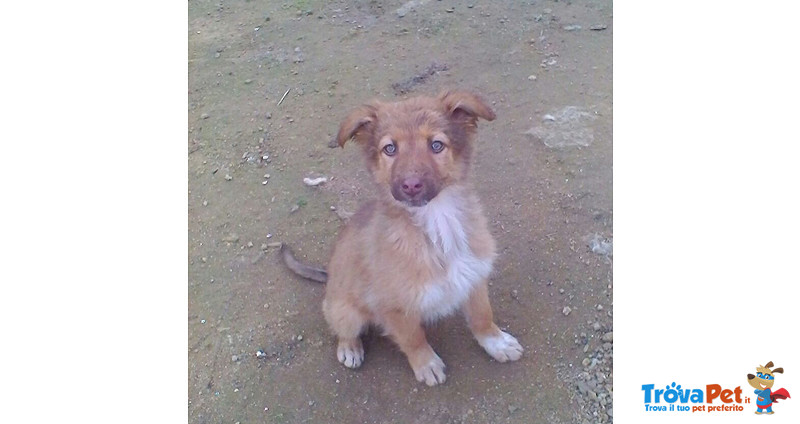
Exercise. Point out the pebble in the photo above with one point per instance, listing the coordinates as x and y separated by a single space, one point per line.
205 202
599 307
260 354
532 77
228 177
231 238
248 81
300 338
586 362
274 244
598 27
596 326
204 116
234 358
608 337
572 27
566 310
311 182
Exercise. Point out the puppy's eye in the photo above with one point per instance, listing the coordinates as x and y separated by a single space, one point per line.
437 146
390 149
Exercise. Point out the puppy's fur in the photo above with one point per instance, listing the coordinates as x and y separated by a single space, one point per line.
422 250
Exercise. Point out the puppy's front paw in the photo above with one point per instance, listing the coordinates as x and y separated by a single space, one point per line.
350 353
502 347
431 373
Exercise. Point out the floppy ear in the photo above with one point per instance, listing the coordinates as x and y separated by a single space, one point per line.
778 370
466 106
357 124
769 365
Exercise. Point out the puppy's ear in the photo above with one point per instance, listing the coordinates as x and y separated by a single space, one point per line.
778 370
358 124
769 365
465 106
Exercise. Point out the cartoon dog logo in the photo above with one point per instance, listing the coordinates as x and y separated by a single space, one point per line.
763 381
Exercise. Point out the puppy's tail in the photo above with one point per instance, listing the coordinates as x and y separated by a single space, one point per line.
315 274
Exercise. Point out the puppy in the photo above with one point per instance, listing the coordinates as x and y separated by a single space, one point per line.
422 250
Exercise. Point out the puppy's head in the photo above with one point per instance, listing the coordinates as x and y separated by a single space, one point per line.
764 377
417 147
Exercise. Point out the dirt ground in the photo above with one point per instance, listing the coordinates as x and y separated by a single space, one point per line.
259 348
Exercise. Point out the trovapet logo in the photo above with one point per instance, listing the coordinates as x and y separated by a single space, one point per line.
675 398
715 398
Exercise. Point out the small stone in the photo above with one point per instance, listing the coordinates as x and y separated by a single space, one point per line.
596 326
204 116
260 354
549 117
228 177
532 77
333 208
248 81
512 409
264 246
231 238
294 209
300 338
234 358
586 362
598 27
572 27
561 291
608 337
566 310
274 244
599 307
205 202
249 244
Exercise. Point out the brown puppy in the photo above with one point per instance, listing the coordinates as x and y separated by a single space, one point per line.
423 249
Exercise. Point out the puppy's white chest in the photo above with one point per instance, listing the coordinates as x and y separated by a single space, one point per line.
442 222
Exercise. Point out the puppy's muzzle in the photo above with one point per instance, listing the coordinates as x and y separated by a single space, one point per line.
414 190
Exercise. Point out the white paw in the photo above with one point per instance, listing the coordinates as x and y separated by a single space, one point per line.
351 355
503 347
431 373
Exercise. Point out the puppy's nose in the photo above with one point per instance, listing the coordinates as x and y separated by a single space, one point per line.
412 186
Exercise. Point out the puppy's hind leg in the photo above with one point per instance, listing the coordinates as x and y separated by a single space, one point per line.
497 343
347 322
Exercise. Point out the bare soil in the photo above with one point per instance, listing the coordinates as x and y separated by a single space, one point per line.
259 348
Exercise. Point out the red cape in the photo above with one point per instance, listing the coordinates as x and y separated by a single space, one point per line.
779 394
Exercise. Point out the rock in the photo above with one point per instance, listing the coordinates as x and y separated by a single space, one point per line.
596 326
248 81
608 337
532 77
566 310
231 238
204 116
228 177
572 27
260 354
586 362
312 182
234 358
598 27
